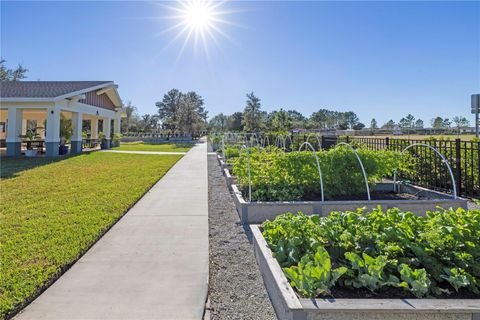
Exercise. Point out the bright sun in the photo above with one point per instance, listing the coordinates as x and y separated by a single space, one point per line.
198 20
198 15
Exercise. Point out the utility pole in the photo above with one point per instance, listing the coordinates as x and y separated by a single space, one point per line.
475 110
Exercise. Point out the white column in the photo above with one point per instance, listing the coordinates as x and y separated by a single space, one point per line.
117 121
94 128
52 134
14 130
107 126
24 127
76 143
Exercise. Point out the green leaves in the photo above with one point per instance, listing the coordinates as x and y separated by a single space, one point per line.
415 280
314 275
368 271
425 256
278 176
459 278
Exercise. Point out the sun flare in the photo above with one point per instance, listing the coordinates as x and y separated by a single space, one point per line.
198 15
198 21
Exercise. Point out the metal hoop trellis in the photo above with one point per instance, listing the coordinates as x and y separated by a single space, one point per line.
444 160
318 140
361 166
306 143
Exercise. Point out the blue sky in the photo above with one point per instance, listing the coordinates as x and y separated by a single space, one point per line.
378 59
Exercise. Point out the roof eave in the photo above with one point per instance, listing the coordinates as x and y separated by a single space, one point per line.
26 99
78 92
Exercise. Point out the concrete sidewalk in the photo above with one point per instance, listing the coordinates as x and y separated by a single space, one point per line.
153 264
143 152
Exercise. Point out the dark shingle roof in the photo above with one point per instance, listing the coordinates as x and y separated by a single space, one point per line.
43 89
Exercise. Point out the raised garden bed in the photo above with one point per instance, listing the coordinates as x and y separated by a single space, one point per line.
290 182
374 290
424 200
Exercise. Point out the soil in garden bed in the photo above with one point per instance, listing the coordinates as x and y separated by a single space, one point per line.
393 293
374 195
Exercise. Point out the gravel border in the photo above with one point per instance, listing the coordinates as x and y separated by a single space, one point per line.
236 288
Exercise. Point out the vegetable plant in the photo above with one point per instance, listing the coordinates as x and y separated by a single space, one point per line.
314 274
278 176
383 251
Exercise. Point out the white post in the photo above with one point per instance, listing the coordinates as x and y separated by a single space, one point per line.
94 128
107 126
24 126
117 122
14 130
52 134
77 119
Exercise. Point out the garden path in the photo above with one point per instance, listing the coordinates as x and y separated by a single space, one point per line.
152 264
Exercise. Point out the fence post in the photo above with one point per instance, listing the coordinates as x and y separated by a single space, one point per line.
458 165
348 139
387 143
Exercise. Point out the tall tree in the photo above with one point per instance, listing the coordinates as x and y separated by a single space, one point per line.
146 122
437 123
419 124
192 116
235 122
252 115
130 112
298 119
281 121
7 74
373 124
407 122
460 122
219 122
389 125
168 109
351 119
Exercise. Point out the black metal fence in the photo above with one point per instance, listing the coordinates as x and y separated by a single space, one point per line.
429 169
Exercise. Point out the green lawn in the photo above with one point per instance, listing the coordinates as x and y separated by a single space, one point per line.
53 209
165 147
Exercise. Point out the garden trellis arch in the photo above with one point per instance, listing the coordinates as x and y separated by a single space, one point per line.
308 144
444 160
265 139
280 142
318 140
361 166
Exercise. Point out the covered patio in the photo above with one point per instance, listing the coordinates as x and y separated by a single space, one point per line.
58 113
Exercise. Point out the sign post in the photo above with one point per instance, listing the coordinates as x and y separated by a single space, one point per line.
475 110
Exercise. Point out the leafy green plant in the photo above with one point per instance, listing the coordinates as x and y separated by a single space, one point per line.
65 129
292 236
116 137
31 135
278 176
415 280
459 278
314 274
431 255
368 272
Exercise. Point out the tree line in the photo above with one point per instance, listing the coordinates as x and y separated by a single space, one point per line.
178 112
253 119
